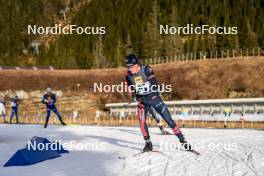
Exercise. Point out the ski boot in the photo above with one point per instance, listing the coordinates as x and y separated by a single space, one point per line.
186 146
148 147
63 123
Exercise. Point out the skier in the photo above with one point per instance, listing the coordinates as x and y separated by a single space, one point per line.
143 85
2 109
15 101
50 100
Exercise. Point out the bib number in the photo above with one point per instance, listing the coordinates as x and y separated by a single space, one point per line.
143 89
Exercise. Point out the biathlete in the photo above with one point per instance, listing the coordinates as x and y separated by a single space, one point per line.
2 109
49 99
15 101
143 86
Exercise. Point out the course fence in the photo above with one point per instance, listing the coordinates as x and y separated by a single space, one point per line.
107 120
225 113
203 55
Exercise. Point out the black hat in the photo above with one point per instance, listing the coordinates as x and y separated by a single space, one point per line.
132 59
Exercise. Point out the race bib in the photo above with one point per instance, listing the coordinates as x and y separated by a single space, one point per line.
138 80
143 89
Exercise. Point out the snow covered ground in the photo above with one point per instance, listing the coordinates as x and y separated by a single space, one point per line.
224 152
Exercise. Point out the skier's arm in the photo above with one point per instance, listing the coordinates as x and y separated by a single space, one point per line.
127 84
130 92
44 100
150 75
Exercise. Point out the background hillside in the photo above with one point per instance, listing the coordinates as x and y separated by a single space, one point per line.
204 79
132 26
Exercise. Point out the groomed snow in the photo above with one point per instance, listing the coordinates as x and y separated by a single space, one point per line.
240 152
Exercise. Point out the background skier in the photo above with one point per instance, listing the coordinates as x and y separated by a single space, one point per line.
50 100
2 109
14 101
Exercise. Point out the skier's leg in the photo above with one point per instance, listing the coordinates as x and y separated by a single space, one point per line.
141 112
157 119
4 114
47 118
11 116
162 109
55 110
17 117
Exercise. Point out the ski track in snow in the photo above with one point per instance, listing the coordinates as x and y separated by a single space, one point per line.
246 160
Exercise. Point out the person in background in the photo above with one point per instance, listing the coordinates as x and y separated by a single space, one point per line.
14 101
49 99
2 109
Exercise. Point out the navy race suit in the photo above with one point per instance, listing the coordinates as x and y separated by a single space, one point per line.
155 116
140 84
14 104
50 101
